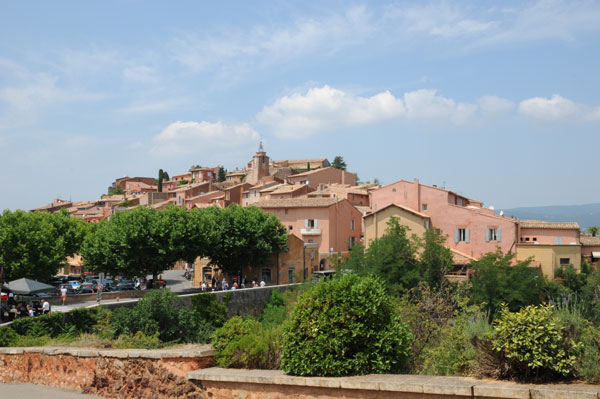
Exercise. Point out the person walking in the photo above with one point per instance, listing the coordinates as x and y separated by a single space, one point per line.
45 306
99 288
204 286
63 294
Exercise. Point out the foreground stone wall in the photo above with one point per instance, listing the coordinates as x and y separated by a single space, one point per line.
273 384
148 374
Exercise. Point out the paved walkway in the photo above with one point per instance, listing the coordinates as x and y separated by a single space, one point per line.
28 391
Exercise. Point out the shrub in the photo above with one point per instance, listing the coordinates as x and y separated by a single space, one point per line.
345 326
48 324
206 307
533 344
588 361
84 319
276 312
246 344
8 336
139 340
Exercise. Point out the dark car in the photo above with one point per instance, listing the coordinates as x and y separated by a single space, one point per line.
87 288
125 285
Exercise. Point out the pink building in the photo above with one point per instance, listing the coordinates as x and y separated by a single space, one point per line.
469 228
204 174
332 224
590 249
313 178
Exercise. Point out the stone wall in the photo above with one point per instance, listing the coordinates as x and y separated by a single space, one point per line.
273 384
148 374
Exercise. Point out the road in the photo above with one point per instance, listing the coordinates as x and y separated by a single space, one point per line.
28 391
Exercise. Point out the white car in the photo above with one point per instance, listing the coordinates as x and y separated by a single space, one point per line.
75 284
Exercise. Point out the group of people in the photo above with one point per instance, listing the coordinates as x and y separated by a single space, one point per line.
223 285
12 309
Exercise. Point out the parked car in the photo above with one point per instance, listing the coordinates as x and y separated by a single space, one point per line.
74 284
87 288
70 289
125 285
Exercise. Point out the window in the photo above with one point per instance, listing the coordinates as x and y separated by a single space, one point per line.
427 225
310 223
265 275
461 235
351 242
291 227
291 275
493 234
557 240
424 207
393 190
352 225
526 238
534 238
312 254
303 181
460 202
286 211
565 261
209 174
310 241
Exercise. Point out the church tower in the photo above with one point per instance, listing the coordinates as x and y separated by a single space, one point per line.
260 166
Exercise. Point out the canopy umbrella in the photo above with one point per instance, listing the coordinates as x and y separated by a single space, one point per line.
25 286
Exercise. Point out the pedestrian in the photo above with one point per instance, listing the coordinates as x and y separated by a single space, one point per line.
45 306
235 285
30 311
225 286
203 286
99 288
63 294
254 284
223 283
262 283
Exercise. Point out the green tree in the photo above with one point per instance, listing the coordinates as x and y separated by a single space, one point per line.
35 245
435 260
339 163
221 172
118 190
246 236
393 257
135 242
496 280
160 180
593 230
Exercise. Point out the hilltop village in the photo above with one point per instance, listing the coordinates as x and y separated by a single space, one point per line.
326 211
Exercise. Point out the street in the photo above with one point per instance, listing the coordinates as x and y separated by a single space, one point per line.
28 391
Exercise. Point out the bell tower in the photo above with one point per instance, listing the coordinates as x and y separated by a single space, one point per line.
260 166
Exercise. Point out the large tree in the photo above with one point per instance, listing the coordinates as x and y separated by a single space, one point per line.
36 245
436 259
135 242
497 278
221 172
246 237
339 163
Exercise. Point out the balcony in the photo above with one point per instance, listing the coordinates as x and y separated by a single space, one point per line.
310 232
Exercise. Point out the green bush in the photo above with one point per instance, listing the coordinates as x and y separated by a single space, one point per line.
8 336
48 324
246 344
345 326
533 343
588 361
206 307
276 312
139 340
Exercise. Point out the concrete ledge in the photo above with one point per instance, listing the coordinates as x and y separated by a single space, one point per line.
193 353
407 385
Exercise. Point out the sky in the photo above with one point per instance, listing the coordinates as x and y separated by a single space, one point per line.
497 101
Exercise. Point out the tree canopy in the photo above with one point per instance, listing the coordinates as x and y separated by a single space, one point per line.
148 241
36 245
339 163
221 172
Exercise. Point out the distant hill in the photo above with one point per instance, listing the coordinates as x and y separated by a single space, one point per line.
586 215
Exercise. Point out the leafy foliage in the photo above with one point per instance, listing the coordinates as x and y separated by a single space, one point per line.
35 245
221 172
496 280
345 326
339 163
206 307
246 344
533 343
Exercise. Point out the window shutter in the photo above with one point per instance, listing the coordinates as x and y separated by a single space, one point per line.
466 235
557 240
499 234
487 235
316 224
306 223
455 235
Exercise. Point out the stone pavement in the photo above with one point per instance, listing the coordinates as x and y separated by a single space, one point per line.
28 391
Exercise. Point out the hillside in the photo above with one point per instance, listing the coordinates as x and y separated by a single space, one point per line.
586 215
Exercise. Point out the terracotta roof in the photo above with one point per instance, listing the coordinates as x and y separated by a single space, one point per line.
287 188
589 241
310 172
539 224
461 258
298 203
271 189
237 172
302 160
340 188
407 209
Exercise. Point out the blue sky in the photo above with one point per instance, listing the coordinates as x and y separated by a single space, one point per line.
496 100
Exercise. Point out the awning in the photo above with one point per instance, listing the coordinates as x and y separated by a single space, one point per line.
596 254
26 286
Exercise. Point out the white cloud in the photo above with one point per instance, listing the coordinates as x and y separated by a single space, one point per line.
264 45
140 74
325 108
184 138
549 109
594 114
152 107
494 105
